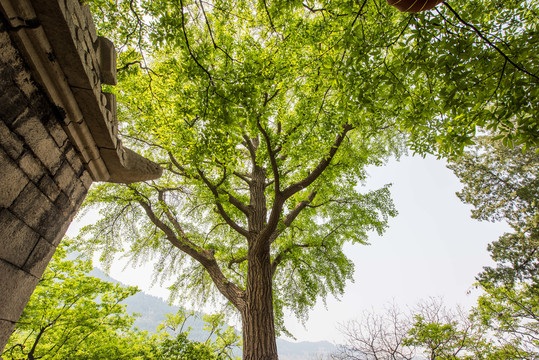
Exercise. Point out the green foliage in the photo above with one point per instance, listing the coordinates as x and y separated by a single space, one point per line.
72 315
68 312
266 114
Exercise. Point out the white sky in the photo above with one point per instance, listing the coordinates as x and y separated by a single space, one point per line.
431 249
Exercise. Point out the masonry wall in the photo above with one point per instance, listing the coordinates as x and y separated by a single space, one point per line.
42 182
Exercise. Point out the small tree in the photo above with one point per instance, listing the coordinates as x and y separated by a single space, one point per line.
72 315
69 312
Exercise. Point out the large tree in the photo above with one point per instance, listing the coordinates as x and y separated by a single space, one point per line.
265 115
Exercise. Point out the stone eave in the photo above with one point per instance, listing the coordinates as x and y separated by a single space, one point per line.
58 40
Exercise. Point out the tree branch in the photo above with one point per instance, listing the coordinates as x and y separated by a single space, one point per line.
271 153
204 257
220 208
281 197
319 169
490 43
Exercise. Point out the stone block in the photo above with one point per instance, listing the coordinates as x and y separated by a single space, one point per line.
31 167
12 102
56 131
106 57
95 118
12 145
63 203
16 239
33 207
39 258
86 179
66 178
79 193
6 329
61 230
49 187
74 160
16 286
53 223
90 22
42 144
12 180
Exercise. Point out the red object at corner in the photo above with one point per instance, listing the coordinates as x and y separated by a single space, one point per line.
414 6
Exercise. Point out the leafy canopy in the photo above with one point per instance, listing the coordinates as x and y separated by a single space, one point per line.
265 115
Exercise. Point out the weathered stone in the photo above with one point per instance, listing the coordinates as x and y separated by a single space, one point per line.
79 193
12 180
6 329
63 203
74 159
10 142
49 187
86 179
58 134
39 257
95 118
66 178
90 23
52 223
31 167
32 206
106 57
16 239
16 286
56 131
11 103
41 143
126 166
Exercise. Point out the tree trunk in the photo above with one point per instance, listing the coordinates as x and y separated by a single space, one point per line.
257 317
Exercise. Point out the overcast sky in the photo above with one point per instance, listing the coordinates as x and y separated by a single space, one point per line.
431 249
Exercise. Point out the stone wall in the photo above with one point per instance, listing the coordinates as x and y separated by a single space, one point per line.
58 134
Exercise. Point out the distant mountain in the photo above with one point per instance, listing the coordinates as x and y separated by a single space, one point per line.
304 350
152 311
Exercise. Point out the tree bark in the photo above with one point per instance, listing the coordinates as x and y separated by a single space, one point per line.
257 316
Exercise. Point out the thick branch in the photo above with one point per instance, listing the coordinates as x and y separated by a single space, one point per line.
319 169
299 207
250 146
220 208
281 197
204 257
271 154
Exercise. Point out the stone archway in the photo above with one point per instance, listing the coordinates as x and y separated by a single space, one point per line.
58 134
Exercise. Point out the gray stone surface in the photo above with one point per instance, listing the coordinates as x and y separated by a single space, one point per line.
12 180
39 258
58 134
14 294
31 167
17 238
10 142
38 139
